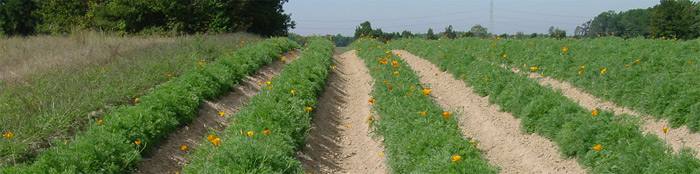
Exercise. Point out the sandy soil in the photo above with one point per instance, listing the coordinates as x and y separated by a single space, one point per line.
339 140
498 133
676 137
169 158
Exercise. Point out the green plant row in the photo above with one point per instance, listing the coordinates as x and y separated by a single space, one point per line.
114 143
604 142
264 136
656 77
418 138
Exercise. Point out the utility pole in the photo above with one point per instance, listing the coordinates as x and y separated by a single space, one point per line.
491 27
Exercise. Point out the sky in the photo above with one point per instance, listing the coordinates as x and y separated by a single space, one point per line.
321 17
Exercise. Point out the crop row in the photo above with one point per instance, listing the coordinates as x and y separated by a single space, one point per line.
419 136
114 143
264 136
656 77
602 141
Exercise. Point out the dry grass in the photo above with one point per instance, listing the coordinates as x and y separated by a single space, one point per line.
53 85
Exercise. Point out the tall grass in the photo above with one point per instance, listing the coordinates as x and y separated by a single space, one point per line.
55 85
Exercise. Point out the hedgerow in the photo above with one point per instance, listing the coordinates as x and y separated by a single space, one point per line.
602 141
264 136
419 136
114 143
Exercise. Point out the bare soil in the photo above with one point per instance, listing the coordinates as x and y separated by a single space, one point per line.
677 138
169 158
339 140
498 133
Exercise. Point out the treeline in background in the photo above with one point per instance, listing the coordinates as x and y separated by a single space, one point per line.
171 17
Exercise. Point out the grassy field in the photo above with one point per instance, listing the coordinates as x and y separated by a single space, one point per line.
52 86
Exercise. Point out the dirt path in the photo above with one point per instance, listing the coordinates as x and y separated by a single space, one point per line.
498 133
676 137
169 158
339 141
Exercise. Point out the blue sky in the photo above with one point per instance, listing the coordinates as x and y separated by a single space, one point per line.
510 16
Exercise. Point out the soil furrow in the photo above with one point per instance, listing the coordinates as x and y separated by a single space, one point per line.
498 133
168 157
339 140
677 138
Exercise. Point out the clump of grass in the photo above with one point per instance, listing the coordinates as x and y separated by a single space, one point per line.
63 83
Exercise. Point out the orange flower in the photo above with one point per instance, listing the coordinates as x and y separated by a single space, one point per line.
100 122
456 158
446 114
222 113
426 91
137 141
394 63
308 109
216 141
250 133
383 61
8 135
665 129
594 112
211 137
266 131
371 101
597 147
423 113
184 147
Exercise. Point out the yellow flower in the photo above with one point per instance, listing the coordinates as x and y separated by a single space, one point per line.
137 141
268 83
446 114
665 129
504 55
216 141
184 148
100 122
594 112
8 135
603 71
565 50
637 62
534 68
266 131
426 91
423 113
396 73
137 100
597 147
456 158
308 109
250 133
581 69
222 113
333 67
211 137
201 63
293 92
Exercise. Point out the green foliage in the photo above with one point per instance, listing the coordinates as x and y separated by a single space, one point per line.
479 31
449 33
16 17
676 19
430 35
414 143
274 109
557 33
115 145
546 112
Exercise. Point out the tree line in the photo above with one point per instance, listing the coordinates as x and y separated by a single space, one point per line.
365 30
672 19
27 17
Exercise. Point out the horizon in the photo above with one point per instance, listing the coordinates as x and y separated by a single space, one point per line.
342 17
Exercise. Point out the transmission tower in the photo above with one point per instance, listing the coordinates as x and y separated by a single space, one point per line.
491 27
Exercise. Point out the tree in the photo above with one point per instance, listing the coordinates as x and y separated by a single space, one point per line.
675 19
449 33
364 30
406 34
267 17
430 35
479 31
16 17
557 33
